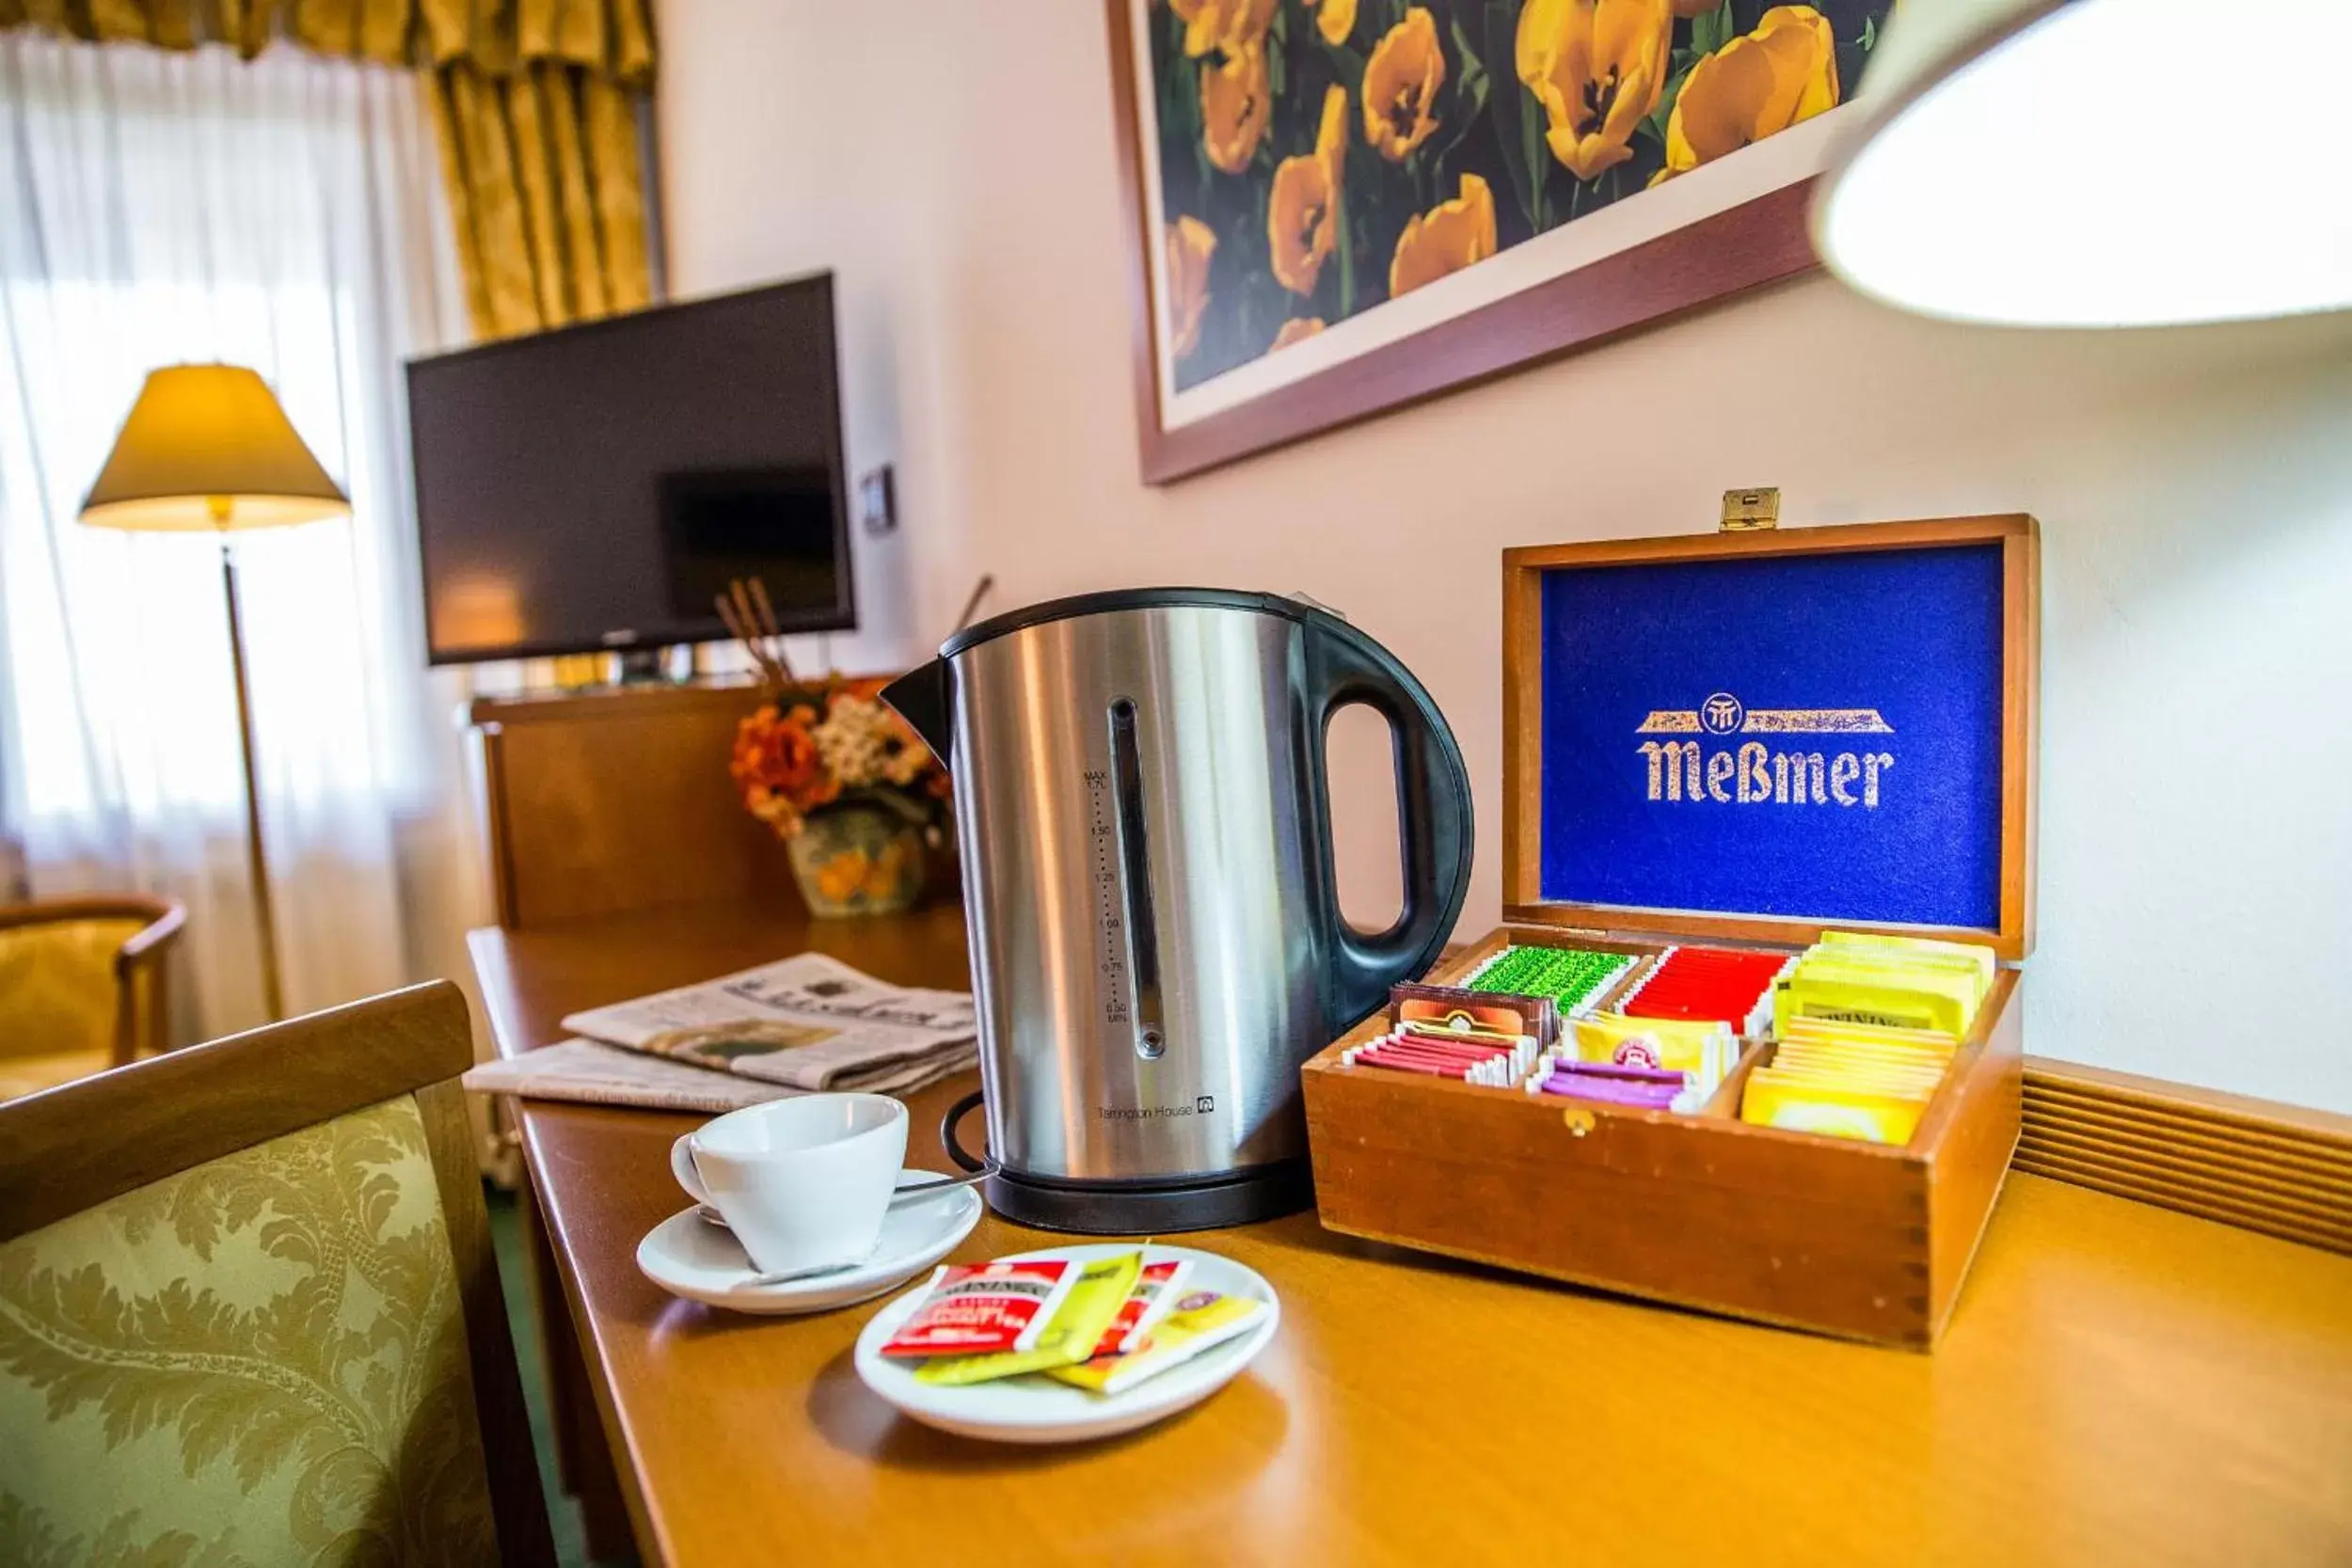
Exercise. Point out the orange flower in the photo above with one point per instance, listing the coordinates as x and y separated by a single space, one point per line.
1597 67
1752 88
1226 25
777 765
1296 330
1447 238
1190 244
1236 102
1401 83
1694 7
1302 214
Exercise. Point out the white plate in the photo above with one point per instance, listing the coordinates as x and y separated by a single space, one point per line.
704 1262
1037 1409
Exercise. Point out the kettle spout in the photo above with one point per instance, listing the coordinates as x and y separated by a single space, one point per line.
920 698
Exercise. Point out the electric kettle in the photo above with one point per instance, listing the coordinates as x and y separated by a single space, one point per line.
1143 807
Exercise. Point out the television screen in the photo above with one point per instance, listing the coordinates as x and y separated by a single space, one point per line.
597 487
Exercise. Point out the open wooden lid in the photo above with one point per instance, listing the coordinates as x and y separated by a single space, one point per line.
1758 736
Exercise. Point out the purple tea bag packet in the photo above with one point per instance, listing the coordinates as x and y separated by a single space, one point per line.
1626 1071
1649 1097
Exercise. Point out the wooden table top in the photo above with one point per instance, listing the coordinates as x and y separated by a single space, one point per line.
2119 1384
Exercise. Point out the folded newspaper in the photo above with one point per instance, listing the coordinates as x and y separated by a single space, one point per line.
809 1022
595 1073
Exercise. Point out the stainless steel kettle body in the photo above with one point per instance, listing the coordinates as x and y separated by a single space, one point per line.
1156 945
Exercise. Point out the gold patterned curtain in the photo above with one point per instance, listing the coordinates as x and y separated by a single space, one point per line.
536 103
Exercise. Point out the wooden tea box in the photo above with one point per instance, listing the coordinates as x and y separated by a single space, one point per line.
1739 740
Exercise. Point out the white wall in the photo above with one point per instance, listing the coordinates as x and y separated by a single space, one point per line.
954 165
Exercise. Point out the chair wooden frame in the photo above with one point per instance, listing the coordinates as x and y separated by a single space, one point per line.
140 963
72 1147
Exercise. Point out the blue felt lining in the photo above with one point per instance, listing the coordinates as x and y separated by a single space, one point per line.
1818 642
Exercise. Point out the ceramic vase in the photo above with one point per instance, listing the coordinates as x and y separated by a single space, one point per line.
857 858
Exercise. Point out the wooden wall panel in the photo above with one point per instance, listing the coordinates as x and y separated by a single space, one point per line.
2282 1170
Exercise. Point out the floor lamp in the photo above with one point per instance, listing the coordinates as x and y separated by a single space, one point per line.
207 449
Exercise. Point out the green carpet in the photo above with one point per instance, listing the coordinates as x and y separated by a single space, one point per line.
571 1546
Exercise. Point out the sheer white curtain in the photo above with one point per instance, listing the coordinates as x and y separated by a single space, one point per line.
158 208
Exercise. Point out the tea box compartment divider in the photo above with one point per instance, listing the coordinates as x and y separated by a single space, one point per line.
1866 1240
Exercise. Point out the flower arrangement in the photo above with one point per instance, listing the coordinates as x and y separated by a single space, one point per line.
830 742
850 788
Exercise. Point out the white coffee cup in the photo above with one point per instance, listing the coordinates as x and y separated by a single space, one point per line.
803 1184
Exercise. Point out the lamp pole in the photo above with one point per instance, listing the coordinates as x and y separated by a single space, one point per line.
256 855
208 447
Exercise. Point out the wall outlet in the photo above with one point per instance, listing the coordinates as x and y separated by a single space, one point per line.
878 499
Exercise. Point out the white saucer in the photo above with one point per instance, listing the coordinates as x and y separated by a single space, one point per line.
704 1262
1037 1409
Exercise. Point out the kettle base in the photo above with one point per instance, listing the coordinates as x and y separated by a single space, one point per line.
1108 1210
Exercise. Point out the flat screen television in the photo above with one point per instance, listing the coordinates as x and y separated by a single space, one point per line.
596 487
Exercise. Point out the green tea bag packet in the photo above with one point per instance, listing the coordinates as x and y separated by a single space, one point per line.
1068 1338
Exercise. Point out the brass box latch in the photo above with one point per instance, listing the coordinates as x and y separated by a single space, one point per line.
1745 510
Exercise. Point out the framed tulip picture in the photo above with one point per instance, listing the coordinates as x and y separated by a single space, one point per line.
1343 206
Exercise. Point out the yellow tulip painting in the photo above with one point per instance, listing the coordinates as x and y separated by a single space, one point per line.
1231 25
1598 68
1450 236
1302 212
1758 83
1190 244
1236 103
1401 83
1310 160
1334 19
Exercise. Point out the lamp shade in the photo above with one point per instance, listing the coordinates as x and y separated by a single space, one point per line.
2097 163
207 447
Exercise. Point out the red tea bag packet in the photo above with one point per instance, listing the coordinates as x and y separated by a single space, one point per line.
977 1308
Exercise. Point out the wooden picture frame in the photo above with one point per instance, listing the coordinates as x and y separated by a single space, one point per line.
1523 568
1755 243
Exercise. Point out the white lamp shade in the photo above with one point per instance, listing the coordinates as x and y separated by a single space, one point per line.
207 447
2098 163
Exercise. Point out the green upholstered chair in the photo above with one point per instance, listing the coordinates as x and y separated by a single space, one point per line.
248 1310
82 986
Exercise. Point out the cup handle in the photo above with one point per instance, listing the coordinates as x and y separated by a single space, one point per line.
682 1166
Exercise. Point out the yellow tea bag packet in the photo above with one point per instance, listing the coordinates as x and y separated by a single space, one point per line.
1911 1085
1791 1053
1838 1111
1892 1056
1972 957
1092 1302
1872 1035
1200 1321
1703 1048
1921 1089
1941 1000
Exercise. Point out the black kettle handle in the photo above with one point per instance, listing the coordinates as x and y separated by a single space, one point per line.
956 1150
1433 803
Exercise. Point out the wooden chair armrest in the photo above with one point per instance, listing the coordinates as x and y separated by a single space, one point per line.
104 906
154 940
140 957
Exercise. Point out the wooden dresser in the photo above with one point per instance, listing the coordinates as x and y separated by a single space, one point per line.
618 799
